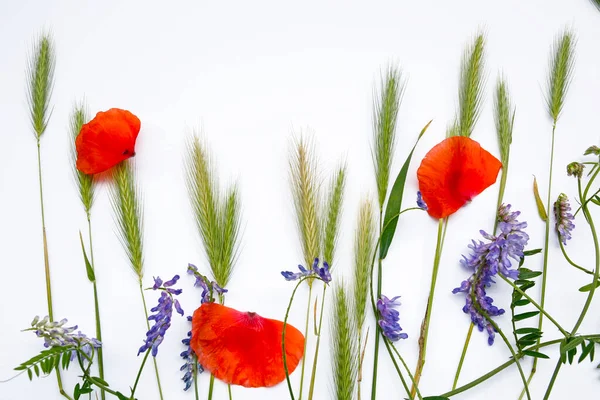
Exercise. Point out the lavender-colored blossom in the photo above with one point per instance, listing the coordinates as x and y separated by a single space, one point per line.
389 320
190 358
486 260
56 334
162 314
564 219
322 272
207 286
420 202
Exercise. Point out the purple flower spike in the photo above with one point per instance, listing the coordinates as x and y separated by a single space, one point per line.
564 219
322 272
207 286
190 358
390 318
163 312
486 260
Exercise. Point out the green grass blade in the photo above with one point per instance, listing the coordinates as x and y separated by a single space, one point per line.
40 73
385 115
394 205
596 3
305 191
333 211
85 183
504 116
125 199
562 63
364 245
472 81
344 346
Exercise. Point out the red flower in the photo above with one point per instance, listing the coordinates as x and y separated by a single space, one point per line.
243 348
453 172
106 140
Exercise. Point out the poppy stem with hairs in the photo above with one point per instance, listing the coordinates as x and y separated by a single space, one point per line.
442 226
287 314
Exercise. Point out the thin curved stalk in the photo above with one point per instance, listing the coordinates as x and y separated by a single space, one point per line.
463 355
314 368
153 358
96 309
139 374
564 251
412 378
302 368
442 225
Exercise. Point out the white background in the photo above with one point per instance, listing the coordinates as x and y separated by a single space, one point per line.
250 75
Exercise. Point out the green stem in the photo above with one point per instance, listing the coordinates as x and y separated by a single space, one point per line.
305 340
47 262
139 374
229 391
553 379
211 386
412 378
512 352
96 308
564 251
462 356
536 305
377 328
287 313
546 241
496 370
442 225
410 396
195 372
148 326
314 367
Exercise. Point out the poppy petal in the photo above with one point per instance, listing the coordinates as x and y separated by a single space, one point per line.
106 140
243 348
453 172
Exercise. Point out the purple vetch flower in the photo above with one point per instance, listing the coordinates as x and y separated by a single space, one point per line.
390 318
56 334
207 286
486 260
420 202
162 314
564 219
322 272
190 358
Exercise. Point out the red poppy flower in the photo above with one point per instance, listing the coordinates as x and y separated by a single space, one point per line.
243 348
106 140
453 172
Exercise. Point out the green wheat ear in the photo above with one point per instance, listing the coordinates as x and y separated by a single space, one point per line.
85 183
504 115
333 211
364 246
472 81
562 63
385 115
306 196
218 220
40 72
125 199
344 345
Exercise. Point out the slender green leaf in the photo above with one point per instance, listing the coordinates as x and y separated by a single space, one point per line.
527 253
525 315
538 201
589 286
88 266
535 354
522 331
394 203
571 344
